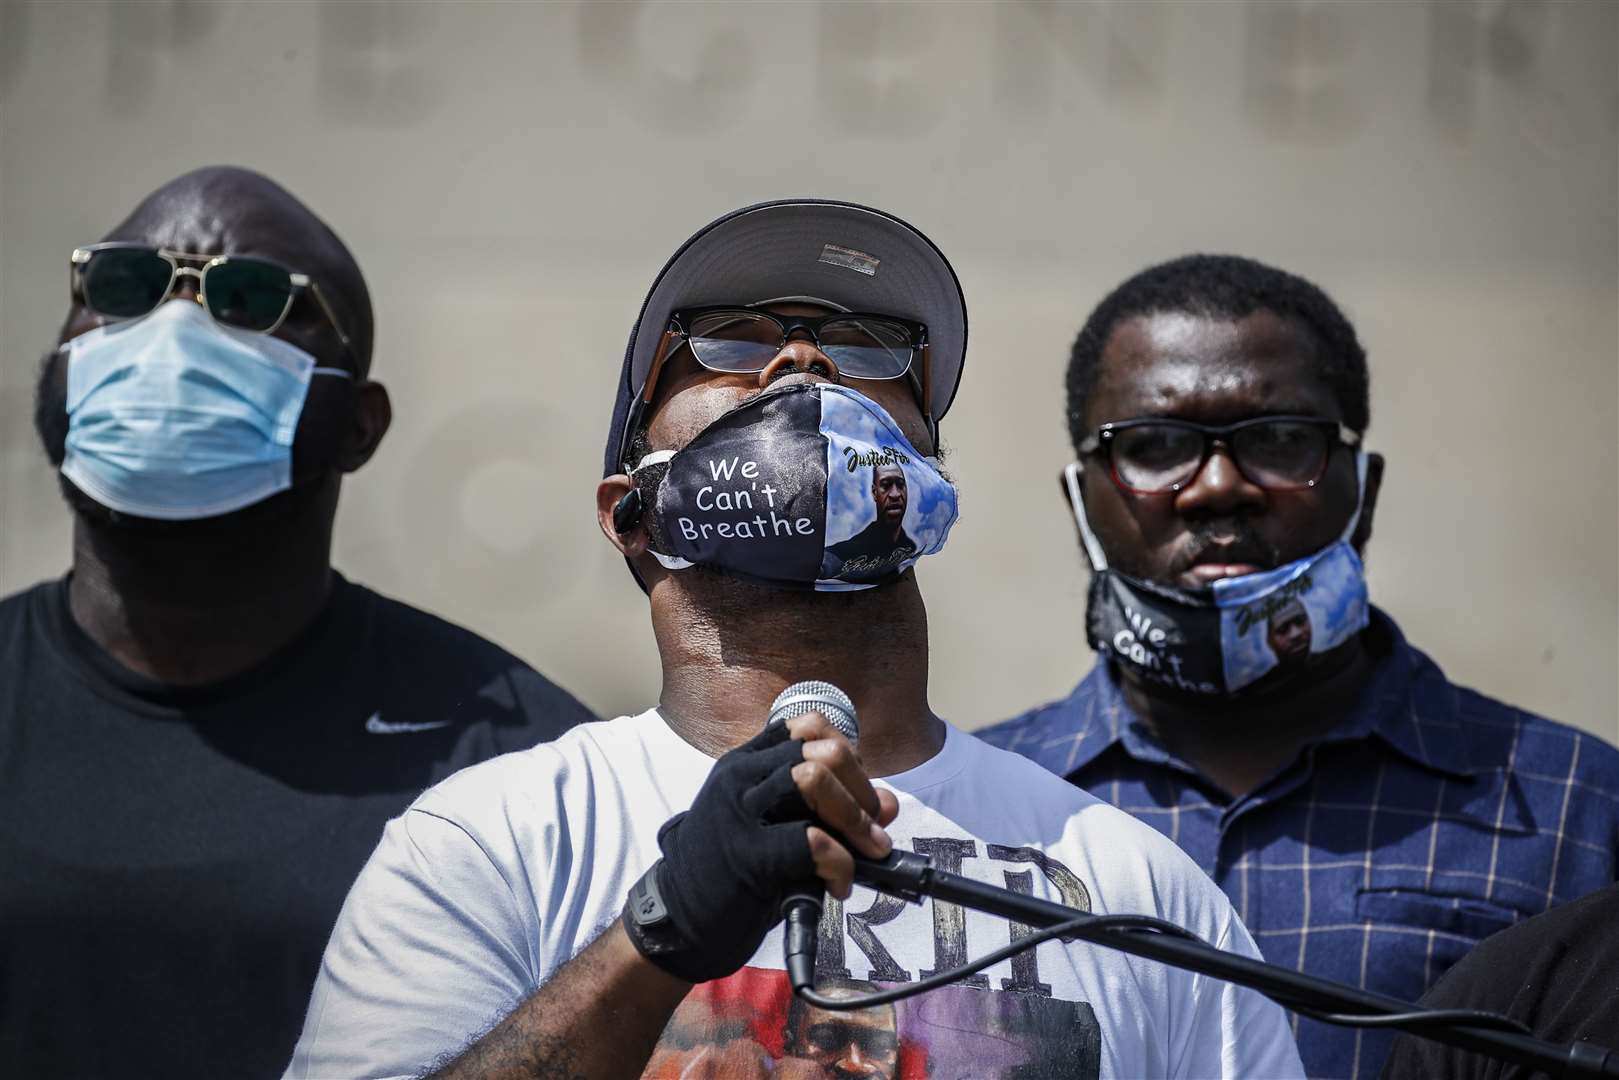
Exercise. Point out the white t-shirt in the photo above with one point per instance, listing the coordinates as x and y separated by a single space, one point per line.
497 876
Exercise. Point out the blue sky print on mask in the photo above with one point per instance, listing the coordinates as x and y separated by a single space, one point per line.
1291 614
886 504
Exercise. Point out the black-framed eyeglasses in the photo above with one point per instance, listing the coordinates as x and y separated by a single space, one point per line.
118 280
1155 455
740 340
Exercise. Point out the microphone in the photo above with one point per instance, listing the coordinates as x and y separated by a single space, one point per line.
803 909
813 695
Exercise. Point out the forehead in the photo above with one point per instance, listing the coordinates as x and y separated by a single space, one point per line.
1211 369
237 221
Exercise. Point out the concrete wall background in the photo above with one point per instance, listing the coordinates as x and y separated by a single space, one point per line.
512 175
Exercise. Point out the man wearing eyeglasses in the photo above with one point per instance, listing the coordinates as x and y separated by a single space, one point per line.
203 727
546 913
1369 819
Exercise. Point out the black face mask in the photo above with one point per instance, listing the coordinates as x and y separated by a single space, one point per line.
809 486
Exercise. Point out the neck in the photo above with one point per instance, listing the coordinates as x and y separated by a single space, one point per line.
1239 744
728 649
195 603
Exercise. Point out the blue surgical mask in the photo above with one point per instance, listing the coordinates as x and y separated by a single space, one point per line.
1225 639
173 416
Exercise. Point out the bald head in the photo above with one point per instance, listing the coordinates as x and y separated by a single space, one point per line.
224 210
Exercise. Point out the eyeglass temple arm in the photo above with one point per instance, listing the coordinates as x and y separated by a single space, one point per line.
927 395
665 345
306 282
643 400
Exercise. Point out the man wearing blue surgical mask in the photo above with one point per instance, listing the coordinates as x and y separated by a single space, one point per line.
204 726
1369 819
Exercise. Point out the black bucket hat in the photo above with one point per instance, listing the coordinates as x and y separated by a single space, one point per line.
853 256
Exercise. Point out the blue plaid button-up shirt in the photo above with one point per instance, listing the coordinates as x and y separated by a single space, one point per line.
1430 818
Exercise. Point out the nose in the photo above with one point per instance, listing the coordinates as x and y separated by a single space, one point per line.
187 283
1219 489
857 1063
800 356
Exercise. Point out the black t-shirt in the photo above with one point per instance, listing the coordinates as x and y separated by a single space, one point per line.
1558 973
172 860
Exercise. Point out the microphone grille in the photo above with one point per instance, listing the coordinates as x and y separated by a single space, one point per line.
813 695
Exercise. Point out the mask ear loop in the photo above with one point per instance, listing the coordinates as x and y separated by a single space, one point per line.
1076 499
657 457
1360 497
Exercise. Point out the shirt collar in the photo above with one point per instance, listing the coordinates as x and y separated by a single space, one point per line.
1407 703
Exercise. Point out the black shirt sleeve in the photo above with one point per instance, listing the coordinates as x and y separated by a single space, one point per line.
1557 973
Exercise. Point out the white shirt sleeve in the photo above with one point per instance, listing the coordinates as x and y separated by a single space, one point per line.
427 954
1250 1031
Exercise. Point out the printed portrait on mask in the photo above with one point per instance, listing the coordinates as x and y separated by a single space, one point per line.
1288 633
1315 610
879 514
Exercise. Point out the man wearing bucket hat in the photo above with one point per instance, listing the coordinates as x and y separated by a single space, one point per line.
788 357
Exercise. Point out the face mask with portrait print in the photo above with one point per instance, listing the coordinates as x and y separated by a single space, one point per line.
1223 640
809 486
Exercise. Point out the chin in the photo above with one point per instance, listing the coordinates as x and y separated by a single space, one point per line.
295 502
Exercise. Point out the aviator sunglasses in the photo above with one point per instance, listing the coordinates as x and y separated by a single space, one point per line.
125 281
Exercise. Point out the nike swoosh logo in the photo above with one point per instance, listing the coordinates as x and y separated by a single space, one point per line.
376 725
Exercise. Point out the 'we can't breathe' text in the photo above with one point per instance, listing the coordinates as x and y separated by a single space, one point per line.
737 489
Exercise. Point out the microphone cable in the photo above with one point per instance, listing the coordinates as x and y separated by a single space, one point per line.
801 976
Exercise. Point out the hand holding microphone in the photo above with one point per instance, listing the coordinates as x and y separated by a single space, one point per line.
747 842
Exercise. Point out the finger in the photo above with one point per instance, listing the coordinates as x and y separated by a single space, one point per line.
834 752
810 725
835 807
833 863
888 806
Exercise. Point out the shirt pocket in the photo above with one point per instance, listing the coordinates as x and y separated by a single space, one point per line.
1415 936
1471 917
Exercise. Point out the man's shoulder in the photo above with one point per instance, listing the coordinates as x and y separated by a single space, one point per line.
1045 731
1025 780
17 608
424 652
531 780
1069 823
412 627
1504 738
22 597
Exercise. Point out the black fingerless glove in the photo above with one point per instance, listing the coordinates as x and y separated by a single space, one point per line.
728 862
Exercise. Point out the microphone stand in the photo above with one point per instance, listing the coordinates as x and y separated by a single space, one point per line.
911 876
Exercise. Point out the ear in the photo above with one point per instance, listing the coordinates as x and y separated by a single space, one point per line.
611 494
1368 502
373 413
